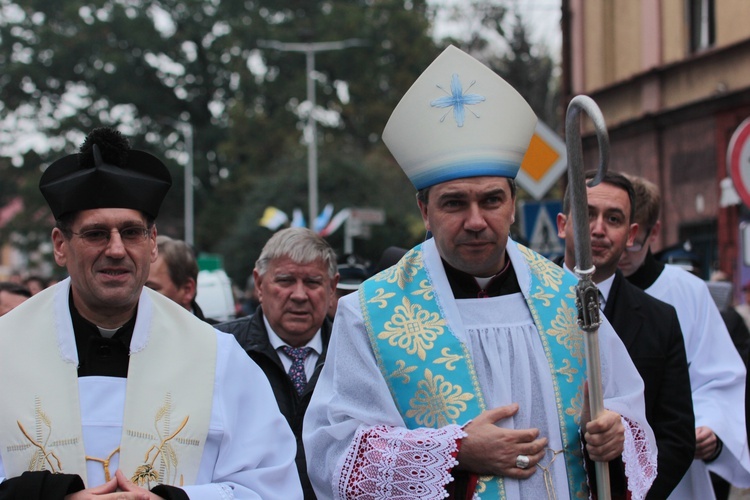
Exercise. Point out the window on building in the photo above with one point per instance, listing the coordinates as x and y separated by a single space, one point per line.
702 24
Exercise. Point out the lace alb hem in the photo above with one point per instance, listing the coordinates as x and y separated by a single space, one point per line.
400 464
639 460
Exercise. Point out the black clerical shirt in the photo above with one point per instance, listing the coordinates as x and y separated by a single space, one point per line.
648 273
98 355
465 286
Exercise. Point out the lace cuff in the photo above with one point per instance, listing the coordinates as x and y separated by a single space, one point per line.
639 460
397 463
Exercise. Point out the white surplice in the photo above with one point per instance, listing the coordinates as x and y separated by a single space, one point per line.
352 401
250 449
717 380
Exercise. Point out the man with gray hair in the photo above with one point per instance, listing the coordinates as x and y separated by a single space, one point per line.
296 277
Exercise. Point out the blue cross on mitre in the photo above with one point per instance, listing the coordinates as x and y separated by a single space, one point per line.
457 100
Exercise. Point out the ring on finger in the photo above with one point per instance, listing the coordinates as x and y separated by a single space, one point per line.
522 462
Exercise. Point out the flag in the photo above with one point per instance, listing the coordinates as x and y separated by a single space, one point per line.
336 222
322 220
9 211
273 218
298 220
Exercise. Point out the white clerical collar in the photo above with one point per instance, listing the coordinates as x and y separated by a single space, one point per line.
483 282
316 343
108 332
605 287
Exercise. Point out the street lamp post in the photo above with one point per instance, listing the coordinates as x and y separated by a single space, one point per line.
310 49
186 129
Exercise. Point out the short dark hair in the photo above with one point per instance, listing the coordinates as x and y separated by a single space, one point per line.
423 195
33 277
613 179
14 288
180 259
649 201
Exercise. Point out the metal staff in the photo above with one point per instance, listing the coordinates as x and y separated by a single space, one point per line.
587 295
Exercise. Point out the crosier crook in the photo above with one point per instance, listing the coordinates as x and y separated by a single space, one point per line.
587 295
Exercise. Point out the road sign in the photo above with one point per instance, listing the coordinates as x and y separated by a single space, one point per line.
738 160
745 242
539 225
358 224
368 215
545 161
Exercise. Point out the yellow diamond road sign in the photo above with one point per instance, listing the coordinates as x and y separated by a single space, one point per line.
545 161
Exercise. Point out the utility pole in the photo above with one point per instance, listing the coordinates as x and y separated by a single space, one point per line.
310 49
187 132
185 128
189 218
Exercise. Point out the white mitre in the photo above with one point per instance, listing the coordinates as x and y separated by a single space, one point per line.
459 119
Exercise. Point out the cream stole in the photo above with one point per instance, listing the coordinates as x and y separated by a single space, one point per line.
167 403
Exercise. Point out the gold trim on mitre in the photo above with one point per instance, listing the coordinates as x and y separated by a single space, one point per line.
459 119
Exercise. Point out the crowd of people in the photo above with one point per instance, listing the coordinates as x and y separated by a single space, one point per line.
455 369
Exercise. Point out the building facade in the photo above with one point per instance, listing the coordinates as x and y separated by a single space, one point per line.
672 78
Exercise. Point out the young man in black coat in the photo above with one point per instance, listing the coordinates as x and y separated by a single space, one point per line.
648 327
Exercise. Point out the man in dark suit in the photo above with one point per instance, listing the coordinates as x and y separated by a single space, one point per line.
648 327
296 277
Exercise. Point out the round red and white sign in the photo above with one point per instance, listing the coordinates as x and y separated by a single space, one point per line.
738 160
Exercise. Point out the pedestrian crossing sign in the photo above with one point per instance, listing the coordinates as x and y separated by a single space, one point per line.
539 227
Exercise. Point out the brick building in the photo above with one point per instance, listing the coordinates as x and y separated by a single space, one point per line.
672 78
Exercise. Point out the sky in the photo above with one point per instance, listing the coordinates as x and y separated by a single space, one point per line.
542 18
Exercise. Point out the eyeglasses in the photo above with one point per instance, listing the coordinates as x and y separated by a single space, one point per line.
131 235
635 247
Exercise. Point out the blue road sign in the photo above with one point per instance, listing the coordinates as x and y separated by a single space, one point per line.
539 226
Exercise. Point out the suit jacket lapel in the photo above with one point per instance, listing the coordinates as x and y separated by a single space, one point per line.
623 312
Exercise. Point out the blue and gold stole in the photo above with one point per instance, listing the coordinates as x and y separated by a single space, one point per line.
430 371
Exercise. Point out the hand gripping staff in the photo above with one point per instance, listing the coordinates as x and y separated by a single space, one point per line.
587 295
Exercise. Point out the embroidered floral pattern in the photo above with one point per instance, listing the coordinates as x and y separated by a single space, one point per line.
565 330
402 371
381 298
449 359
568 370
550 275
146 472
457 99
404 273
437 402
542 296
576 406
412 328
425 290
42 457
